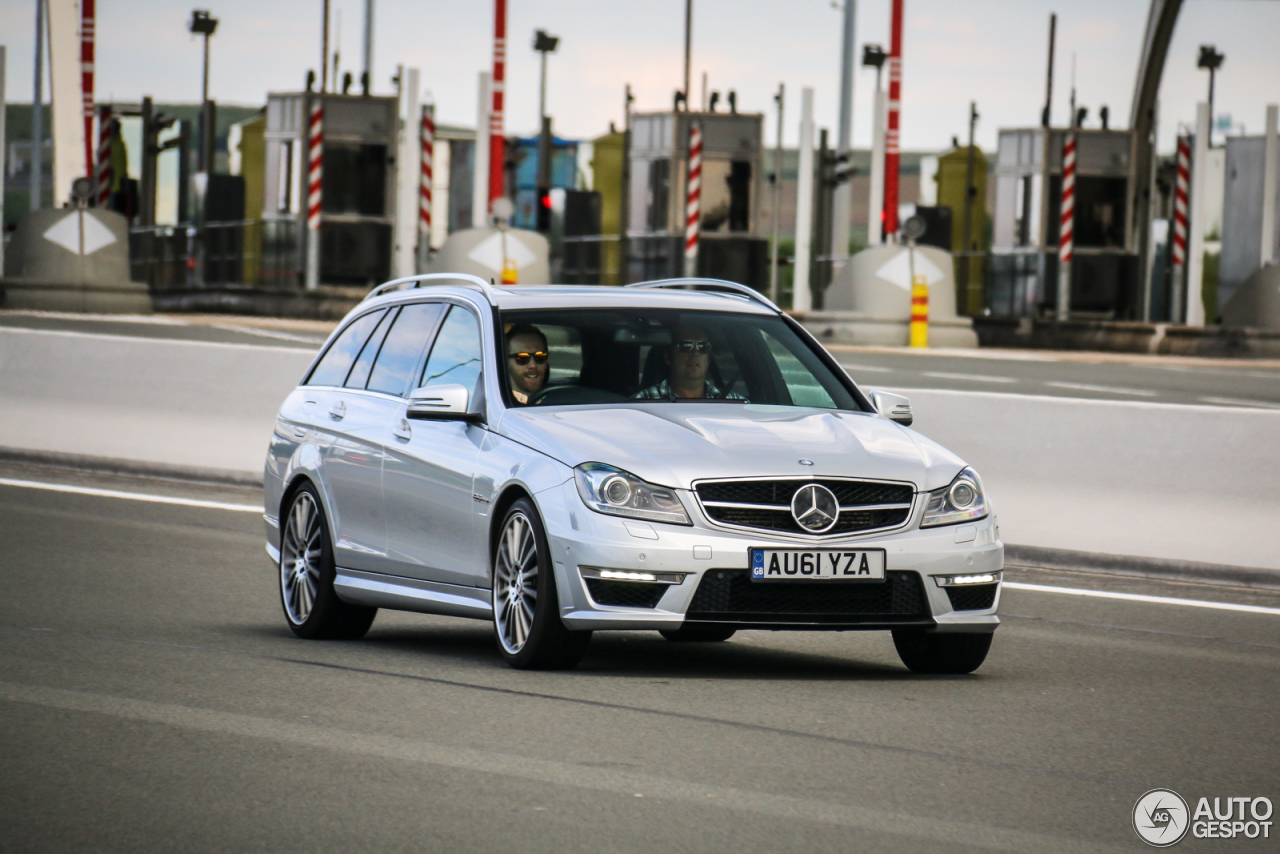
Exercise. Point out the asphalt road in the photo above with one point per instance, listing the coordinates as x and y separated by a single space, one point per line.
1094 376
152 700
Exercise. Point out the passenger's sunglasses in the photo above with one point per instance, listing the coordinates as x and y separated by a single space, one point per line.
523 358
687 346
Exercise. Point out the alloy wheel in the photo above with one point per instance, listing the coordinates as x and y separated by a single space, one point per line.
300 559
515 582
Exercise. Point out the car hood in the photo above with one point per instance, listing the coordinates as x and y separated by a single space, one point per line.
677 443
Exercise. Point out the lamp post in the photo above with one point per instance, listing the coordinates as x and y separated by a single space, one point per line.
544 44
873 56
203 24
1210 59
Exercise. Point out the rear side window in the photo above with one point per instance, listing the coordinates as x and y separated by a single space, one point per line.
364 362
403 347
456 355
337 360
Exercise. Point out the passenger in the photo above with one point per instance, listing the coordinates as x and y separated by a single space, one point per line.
527 361
688 359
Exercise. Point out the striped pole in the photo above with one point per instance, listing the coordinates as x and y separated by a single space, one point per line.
315 138
1066 234
891 157
919 329
1180 211
497 143
424 186
104 157
87 25
693 202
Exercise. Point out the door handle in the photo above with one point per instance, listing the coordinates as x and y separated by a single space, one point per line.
299 432
338 411
402 429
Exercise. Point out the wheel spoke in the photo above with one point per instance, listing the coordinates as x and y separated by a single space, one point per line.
527 607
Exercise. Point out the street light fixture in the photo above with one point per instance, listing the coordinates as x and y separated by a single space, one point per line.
873 56
544 44
1210 59
204 24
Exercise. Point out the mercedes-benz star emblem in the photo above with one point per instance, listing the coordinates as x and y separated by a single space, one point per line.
814 507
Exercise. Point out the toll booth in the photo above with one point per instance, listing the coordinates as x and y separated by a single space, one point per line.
1022 276
357 191
732 180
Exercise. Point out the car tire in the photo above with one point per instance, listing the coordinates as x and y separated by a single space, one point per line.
926 652
307 571
526 609
699 634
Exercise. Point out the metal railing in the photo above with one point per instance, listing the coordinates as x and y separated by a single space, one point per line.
244 252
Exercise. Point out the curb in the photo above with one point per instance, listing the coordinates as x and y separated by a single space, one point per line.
1133 566
131 468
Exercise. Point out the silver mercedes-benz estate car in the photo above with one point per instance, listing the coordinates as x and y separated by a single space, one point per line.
679 456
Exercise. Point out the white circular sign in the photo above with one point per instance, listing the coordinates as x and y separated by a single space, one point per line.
1161 818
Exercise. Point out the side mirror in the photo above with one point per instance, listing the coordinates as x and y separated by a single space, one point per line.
895 407
441 402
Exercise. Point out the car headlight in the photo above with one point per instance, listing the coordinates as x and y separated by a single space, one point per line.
611 490
960 501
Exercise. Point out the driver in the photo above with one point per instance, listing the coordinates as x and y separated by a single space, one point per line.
688 359
527 357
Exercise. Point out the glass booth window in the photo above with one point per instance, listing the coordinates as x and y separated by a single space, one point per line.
355 179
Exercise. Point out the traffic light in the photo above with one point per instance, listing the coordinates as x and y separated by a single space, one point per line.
544 210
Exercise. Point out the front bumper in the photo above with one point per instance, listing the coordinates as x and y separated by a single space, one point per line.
584 542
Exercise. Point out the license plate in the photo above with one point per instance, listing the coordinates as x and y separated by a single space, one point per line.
817 564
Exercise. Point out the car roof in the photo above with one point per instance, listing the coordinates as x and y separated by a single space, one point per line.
515 297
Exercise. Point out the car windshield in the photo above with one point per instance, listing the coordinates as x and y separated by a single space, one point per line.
567 357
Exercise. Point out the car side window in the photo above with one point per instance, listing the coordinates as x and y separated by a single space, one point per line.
456 356
364 362
335 364
403 346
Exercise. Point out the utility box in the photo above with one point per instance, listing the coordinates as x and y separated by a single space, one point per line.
1023 276
357 210
732 182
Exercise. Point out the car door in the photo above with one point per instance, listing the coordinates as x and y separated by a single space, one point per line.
430 466
348 425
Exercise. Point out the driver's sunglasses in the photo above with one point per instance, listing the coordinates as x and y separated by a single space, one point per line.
523 358
687 346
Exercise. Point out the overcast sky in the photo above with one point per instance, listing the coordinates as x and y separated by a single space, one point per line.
991 51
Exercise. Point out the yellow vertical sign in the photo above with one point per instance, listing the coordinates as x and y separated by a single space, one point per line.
919 312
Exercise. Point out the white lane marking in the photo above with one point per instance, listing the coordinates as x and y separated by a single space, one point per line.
267 333
106 318
1241 411
1105 389
872 368
130 496
1235 401
704 797
982 378
67 333
1138 597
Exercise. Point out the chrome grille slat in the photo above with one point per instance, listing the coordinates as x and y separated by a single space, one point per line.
764 504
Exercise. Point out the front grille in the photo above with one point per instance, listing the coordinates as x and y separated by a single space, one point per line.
625 594
729 595
975 597
773 500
